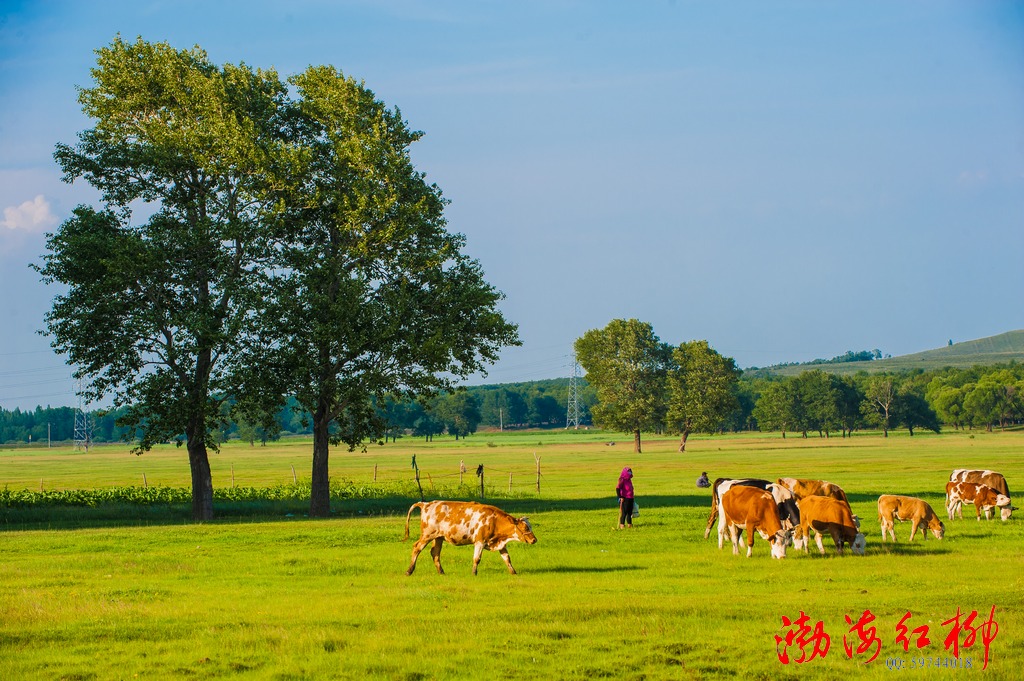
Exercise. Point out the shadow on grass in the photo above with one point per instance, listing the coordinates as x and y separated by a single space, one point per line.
60 517
584 569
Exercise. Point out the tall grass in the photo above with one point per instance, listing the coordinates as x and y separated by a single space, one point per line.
271 594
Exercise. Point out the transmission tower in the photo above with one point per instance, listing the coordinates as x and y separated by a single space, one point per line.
572 417
83 424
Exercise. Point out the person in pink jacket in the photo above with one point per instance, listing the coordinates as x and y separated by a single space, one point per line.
624 490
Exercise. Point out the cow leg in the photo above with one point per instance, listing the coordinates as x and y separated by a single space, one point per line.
435 553
712 517
508 560
913 529
478 551
837 539
416 548
733 530
817 539
722 529
750 539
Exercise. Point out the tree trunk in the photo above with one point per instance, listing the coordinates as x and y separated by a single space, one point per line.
202 482
320 493
682 440
636 442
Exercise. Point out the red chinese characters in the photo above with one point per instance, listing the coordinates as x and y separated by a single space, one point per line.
803 636
862 637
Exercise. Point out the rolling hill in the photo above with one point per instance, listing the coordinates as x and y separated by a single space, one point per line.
1001 349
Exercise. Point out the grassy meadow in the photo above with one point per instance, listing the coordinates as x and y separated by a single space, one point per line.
263 592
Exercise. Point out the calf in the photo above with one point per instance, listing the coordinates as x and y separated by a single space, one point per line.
466 522
827 514
983 497
755 510
992 479
893 507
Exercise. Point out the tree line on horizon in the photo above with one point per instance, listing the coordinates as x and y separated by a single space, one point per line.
811 402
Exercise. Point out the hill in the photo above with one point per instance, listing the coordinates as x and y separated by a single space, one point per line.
1001 349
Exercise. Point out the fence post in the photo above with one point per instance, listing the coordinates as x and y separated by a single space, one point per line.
480 474
232 476
510 483
462 470
144 482
537 459
295 478
375 472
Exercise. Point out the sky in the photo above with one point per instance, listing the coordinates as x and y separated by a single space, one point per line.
787 180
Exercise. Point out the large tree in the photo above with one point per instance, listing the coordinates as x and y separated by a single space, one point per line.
702 389
157 281
626 364
372 295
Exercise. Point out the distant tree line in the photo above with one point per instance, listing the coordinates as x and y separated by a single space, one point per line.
812 402
533 404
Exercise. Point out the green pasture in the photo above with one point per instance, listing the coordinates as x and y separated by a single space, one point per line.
263 592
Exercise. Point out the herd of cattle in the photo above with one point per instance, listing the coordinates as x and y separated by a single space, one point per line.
784 512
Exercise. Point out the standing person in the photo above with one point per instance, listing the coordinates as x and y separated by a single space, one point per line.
624 490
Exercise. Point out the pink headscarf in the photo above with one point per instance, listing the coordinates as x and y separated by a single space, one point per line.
625 487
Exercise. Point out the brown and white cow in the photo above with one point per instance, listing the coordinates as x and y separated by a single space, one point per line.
983 497
466 522
892 507
993 479
789 513
753 510
802 487
828 514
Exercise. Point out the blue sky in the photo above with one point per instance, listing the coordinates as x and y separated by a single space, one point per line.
788 180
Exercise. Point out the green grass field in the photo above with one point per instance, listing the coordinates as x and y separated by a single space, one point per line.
268 594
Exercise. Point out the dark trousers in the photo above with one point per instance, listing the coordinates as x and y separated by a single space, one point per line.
625 511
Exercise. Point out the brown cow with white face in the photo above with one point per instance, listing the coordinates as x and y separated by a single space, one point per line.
983 497
992 479
755 511
827 514
892 507
466 522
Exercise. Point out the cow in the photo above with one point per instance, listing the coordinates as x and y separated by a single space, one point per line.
983 497
828 514
892 507
802 487
755 510
789 514
985 477
466 522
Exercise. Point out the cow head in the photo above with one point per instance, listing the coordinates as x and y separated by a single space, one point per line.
1005 511
525 530
859 544
779 540
939 531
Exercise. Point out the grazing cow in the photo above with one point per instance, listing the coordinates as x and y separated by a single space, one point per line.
802 487
991 478
466 522
755 510
983 497
917 511
789 514
828 514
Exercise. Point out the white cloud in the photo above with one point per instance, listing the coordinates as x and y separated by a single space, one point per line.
30 216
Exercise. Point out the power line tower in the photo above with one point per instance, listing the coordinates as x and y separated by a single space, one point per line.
83 424
572 417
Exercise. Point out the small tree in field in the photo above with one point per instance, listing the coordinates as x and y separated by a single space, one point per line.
702 386
626 364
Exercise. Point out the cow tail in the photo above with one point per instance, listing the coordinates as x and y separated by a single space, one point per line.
419 505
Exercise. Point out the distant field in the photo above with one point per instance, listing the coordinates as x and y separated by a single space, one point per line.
1002 349
284 597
